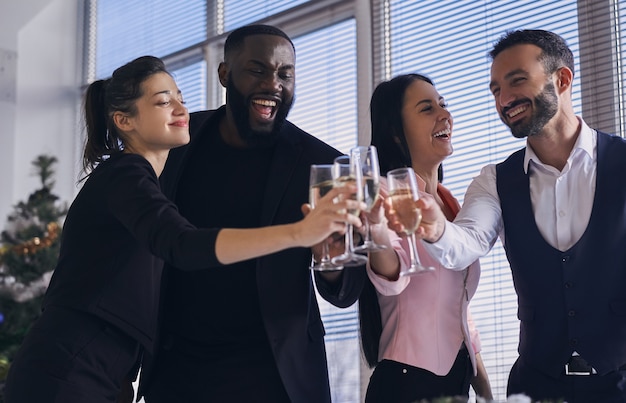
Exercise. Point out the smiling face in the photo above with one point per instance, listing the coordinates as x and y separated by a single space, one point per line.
526 98
260 82
427 124
160 121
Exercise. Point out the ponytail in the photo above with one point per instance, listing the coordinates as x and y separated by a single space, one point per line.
100 140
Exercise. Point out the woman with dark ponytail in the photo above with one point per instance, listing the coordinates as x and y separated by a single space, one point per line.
416 331
100 312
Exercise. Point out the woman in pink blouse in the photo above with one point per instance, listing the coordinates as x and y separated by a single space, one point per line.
416 331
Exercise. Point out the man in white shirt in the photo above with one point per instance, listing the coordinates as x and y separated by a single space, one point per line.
559 208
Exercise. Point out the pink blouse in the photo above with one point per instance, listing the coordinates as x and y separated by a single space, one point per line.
425 317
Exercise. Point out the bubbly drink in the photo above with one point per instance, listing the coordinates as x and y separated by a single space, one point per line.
406 211
371 190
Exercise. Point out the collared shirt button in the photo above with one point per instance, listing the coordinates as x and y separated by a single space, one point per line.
561 213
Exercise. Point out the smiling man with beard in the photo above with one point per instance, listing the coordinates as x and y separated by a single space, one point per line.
558 207
250 331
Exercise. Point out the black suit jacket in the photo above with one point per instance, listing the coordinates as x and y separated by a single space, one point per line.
116 233
286 295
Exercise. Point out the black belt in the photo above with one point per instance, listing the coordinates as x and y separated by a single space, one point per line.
578 366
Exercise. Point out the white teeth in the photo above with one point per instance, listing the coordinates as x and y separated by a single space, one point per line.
442 133
264 102
517 111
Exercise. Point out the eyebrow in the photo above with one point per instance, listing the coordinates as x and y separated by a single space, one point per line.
429 101
264 65
167 92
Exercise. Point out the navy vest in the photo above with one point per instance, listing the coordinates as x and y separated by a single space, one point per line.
573 300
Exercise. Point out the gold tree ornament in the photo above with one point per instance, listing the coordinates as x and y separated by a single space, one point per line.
35 244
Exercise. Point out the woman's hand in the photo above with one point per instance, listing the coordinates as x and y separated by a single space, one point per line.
329 216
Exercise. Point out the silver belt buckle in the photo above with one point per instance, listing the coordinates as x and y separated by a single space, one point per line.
568 372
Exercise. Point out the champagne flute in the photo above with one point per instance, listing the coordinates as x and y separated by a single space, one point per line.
403 193
366 159
320 183
344 173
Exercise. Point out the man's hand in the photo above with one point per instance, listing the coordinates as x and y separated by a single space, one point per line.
433 220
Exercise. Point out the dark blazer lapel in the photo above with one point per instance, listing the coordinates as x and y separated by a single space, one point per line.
178 157
287 153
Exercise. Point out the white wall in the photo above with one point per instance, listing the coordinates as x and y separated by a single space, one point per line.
39 95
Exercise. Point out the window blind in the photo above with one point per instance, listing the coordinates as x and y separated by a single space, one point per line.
326 83
243 12
192 81
126 29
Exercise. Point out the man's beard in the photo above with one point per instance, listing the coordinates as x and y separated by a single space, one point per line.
240 109
545 107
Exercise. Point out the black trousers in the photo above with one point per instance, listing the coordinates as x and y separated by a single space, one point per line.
394 382
189 372
71 356
609 388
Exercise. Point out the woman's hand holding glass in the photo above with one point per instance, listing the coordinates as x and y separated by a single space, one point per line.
327 215
403 213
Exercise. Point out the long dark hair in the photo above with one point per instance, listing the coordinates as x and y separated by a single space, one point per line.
370 323
393 152
105 97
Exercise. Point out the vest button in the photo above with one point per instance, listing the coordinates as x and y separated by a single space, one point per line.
571 312
573 342
568 284
565 259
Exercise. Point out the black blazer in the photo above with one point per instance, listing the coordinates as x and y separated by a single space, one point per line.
115 234
286 295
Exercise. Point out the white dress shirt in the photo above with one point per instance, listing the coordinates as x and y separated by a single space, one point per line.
561 202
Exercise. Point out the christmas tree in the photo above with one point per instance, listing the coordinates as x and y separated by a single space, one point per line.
28 255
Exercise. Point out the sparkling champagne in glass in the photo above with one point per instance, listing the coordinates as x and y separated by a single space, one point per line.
403 193
365 158
320 183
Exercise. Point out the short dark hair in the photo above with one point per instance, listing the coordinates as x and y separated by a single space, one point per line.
235 39
554 50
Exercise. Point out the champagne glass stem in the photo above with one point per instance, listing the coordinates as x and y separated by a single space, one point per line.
413 251
368 234
349 240
325 253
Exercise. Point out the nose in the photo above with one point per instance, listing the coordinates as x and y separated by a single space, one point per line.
504 97
179 107
445 114
271 82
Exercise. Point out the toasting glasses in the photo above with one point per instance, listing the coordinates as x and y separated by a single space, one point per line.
345 172
320 183
365 159
403 193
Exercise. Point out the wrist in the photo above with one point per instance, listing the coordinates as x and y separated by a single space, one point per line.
438 233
